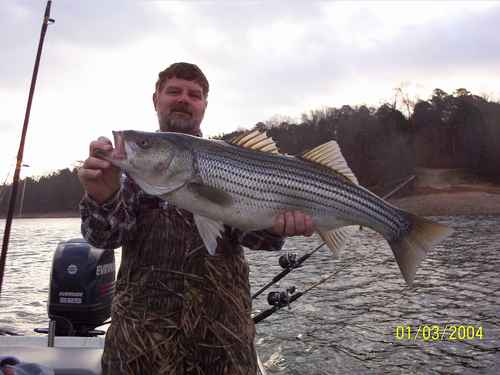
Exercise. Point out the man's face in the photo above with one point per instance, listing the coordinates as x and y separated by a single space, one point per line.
180 106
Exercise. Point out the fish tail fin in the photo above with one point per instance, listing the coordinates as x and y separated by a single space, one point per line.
411 248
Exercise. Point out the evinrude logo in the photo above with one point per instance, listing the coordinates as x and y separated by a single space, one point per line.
103 269
70 297
72 300
72 269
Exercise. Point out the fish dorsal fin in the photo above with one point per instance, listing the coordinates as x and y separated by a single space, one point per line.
255 140
209 231
329 155
336 239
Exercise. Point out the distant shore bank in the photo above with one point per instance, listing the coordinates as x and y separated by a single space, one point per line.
450 201
48 215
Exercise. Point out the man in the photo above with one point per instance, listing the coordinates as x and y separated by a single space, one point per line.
176 310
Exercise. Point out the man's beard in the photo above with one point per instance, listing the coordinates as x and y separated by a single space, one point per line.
170 122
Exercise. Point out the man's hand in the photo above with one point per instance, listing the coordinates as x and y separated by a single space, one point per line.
293 223
99 177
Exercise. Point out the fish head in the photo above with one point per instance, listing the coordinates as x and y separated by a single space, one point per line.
157 162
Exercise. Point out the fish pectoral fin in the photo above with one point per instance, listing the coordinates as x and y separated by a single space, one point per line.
209 231
211 194
329 155
337 238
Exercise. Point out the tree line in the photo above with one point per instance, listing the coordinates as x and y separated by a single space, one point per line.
382 145
59 191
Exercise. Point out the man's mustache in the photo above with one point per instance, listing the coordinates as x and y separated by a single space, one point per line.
181 107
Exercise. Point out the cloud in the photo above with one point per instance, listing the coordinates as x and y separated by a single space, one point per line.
100 60
283 55
248 47
462 42
80 27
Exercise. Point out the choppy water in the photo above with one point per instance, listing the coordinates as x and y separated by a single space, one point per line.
348 324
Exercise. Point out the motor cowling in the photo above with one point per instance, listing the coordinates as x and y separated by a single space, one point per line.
81 288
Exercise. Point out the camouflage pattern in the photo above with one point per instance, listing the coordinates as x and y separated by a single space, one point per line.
176 310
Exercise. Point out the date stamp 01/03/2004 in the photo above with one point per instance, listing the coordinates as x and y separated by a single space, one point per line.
439 332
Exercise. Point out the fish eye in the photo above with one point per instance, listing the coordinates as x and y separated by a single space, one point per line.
143 143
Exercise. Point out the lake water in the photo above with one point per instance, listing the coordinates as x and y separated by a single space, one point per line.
357 322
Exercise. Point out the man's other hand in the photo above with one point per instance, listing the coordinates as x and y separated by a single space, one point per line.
293 223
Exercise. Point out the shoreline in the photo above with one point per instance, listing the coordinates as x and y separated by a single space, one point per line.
450 201
48 215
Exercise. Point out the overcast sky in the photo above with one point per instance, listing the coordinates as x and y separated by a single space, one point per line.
262 58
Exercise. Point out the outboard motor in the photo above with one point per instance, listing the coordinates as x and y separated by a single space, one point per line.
81 288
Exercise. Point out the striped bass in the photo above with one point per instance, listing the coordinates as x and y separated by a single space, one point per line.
246 183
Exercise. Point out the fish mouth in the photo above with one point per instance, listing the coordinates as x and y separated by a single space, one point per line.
119 150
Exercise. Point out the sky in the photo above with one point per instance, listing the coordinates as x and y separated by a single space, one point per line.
262 58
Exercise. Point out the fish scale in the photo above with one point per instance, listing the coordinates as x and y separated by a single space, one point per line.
327 181
260 173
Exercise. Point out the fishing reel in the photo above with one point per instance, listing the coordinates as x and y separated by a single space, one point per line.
281 298
288 261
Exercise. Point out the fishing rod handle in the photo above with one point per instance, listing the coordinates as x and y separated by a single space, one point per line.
264 314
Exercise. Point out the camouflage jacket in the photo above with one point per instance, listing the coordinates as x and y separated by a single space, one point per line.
176 310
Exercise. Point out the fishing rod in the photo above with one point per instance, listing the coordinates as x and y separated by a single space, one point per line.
15 182
289 261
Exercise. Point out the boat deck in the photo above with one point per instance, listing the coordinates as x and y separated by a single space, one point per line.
69 356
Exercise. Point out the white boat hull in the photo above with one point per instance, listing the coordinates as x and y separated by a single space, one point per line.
69 356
